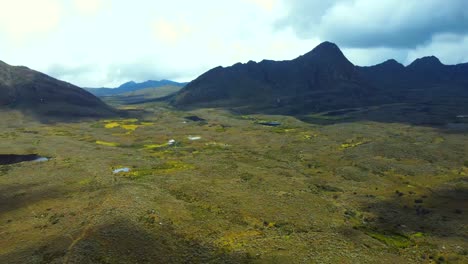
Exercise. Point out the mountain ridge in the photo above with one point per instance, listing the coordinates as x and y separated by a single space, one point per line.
45 97
132 86
319 80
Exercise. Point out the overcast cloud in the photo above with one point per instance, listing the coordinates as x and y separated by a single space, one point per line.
383 23
108 42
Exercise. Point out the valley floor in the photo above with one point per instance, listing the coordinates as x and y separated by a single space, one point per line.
357 192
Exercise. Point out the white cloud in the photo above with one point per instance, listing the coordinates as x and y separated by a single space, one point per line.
171 32
24 20
90 7
373 56
266 5
383 23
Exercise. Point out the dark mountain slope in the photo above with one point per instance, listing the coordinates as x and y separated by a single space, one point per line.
314 81
43 96
324 79
131 87
384 74
426 71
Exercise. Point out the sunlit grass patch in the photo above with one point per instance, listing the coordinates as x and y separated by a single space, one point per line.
351 145
172 166
127 107
417 235
85 181
390 238
163 168
111 125
127 124
108 144
129 127
237 240
157 146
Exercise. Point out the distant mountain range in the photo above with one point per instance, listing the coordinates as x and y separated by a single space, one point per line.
323 79
318 81
143 95
132 86
45 97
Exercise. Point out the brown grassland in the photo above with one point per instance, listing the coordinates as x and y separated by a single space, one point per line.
351 192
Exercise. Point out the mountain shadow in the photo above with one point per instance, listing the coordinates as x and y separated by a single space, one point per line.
123 241
440 212
46 98
324 81
315 81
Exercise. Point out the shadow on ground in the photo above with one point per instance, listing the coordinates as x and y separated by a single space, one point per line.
442 212
123 241
446 117
14 197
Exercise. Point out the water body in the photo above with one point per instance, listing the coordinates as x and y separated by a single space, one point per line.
6 159
121 170
195 118
272 123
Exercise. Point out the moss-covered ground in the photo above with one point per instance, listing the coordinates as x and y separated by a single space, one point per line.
355 192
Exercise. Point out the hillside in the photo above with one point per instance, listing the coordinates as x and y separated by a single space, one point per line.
316 80
131 87
322 80
142 95
42 96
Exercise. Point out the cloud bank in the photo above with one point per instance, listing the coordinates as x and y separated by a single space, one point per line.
383 23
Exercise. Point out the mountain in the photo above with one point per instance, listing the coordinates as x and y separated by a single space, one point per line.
426 72
43 96
143 95
131 87
317 80
323 79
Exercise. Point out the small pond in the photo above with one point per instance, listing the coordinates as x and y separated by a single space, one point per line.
6 159
116 171
195 118
270 123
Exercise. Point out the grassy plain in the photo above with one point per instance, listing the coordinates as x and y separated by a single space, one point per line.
351 192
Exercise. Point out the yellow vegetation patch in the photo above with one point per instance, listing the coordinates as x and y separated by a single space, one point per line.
128 124
129 108
164 168
236 240
173 166
130 127
108 144
308 135
112 125
351 145
155 146
85 181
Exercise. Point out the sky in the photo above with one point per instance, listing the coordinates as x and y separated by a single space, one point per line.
104 43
